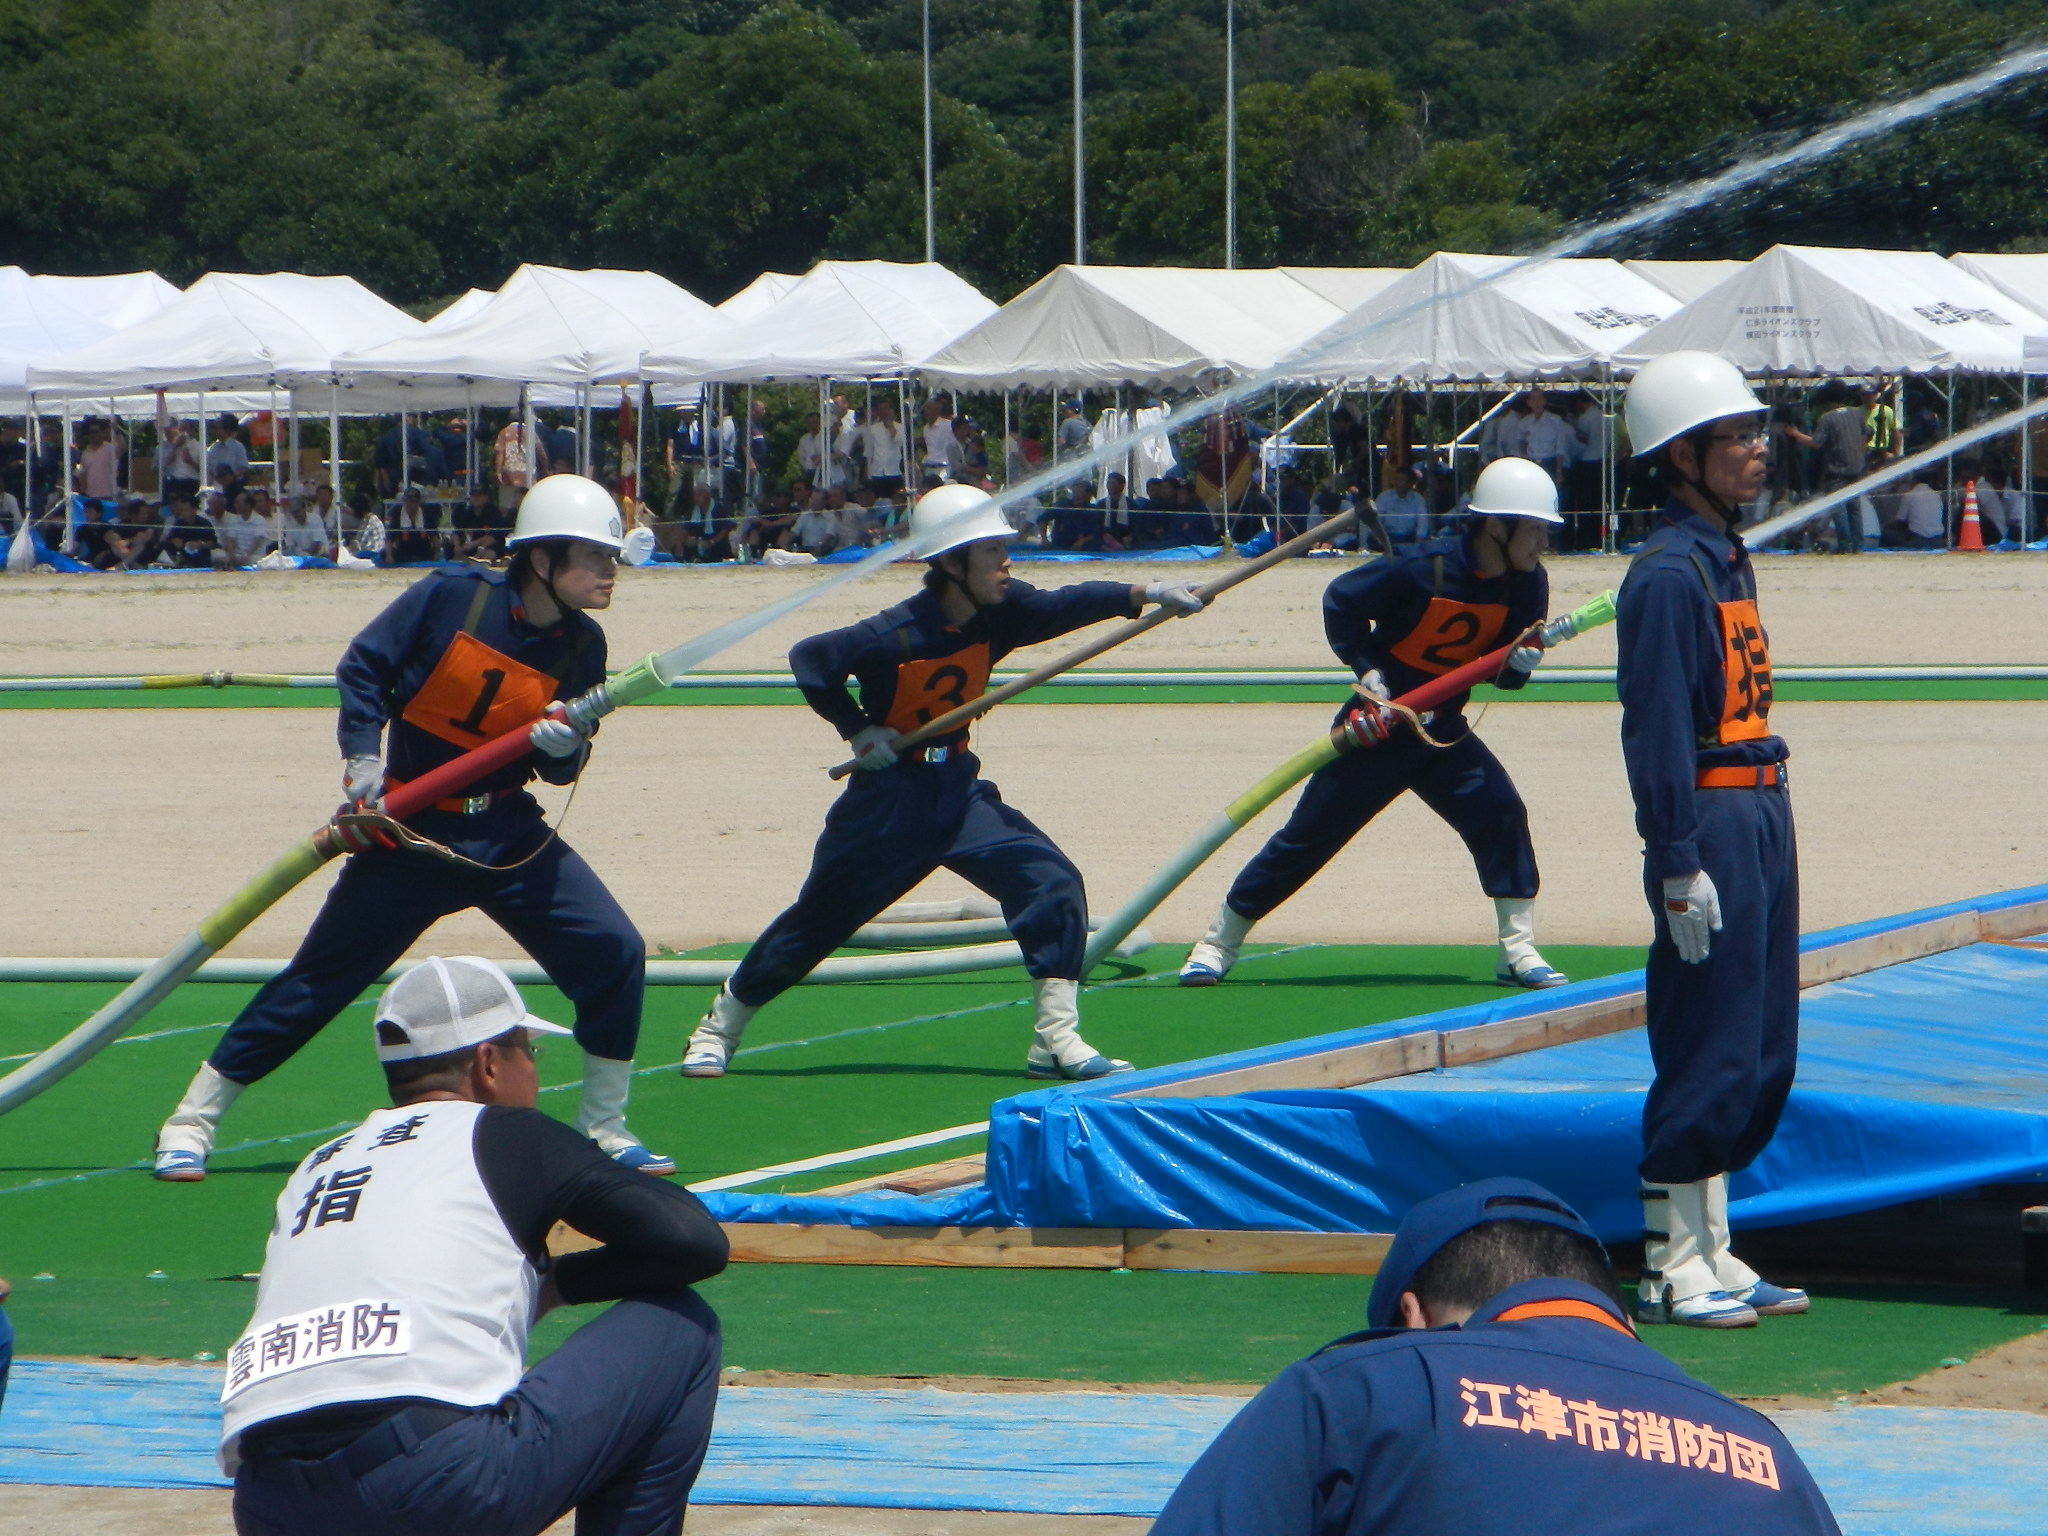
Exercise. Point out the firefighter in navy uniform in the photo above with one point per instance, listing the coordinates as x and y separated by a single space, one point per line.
1397 622
1500 1391
457 660
905 815
1720 866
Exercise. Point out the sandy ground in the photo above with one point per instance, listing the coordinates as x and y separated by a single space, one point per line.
702 819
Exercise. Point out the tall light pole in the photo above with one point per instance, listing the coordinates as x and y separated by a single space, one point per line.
1229 134
1080 154
931 226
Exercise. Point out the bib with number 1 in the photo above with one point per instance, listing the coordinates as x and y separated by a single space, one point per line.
476 694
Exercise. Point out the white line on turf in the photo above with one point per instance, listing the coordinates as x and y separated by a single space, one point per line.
835 1159
155 1034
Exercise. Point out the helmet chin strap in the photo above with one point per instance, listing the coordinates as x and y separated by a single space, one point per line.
966 591
1698 483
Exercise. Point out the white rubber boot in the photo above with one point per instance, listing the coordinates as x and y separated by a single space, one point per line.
1210 961
186 1140
1059 1050
1678 1284
717 1036
1517 962
602 1116
1736 1277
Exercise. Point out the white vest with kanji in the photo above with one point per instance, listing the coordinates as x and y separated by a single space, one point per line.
389 1273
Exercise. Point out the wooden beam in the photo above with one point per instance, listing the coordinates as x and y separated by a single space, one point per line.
1265 1253
2014 922
1345 1067
1874 951
1539 1031
925 1180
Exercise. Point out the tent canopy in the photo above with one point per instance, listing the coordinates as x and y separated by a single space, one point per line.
116 301
546 326
1155 327
1812 311
1460 318
461 309
759 296
276 329
1684 280
845 320
35 326
1345 287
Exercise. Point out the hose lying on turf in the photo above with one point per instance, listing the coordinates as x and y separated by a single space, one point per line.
1322 751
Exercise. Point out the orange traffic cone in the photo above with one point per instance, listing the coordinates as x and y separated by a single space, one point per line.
1971 536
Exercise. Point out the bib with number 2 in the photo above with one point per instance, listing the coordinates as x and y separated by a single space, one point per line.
1451 633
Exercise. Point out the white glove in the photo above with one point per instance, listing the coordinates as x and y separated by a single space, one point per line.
362 781
1525 658
557 738
875 748
1180 596
1692 911
1374 682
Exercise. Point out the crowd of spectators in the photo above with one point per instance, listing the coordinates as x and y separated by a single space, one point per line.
739 490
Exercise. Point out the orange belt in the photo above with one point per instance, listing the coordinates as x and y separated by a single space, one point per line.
1769 776
468 805
1566 1306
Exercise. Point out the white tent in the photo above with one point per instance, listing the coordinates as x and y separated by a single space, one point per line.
2022 278
845 320
35 326
548 326
1685 280
1156 327
759 296
1811 311
274 330
1345 287
117 300
1459 318
461 309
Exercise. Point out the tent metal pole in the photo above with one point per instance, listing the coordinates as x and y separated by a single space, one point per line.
639 441
2026 454
746 437
584 456
70 506
404 451
530 430
276 474
334 454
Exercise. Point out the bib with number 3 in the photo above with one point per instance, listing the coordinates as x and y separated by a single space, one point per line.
476 694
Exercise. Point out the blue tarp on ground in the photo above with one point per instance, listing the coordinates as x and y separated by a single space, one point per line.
1886 1471
1921 1078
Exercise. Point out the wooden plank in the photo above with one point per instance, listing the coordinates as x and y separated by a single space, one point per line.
2014 922
1538 1031
1266 1253
962 1247
1345 1067
1877 950
925 1180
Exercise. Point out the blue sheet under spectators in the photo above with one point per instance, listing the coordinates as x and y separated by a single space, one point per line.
56 559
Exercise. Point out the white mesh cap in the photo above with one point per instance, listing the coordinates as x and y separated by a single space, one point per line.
446 1005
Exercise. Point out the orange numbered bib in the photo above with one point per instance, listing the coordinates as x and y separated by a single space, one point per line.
1451 633
926 690
476 694
1746 665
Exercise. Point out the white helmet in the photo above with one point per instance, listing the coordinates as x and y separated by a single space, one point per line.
951 516
569 507
1515 488
1672 394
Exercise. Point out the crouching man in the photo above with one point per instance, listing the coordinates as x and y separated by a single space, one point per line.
381 1385
1500 1390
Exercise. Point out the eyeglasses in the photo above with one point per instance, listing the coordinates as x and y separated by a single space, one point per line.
529 1047
1746 441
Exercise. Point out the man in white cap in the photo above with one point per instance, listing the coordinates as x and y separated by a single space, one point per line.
1720 865
380 1386
455 661
1397 622
907 814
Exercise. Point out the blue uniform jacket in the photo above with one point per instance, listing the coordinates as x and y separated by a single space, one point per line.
398 650
1418 614
1673 680
913 665
1496 1428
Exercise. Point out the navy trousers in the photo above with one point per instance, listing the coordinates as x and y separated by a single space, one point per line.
1724 1034
613 1425
1464 783
555 908
891 829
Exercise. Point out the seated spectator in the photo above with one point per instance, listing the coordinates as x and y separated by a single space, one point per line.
1403 512
877 514
414 533
362 530
1924 516
99 541
10 510
1295 508
190 542
1117 510
142 528
323 513
769 524
244 537
1075 523
474 534
1254 515
703 532
818 530
1500 1389
300 533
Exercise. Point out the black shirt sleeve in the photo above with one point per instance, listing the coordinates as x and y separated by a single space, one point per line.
657 1236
